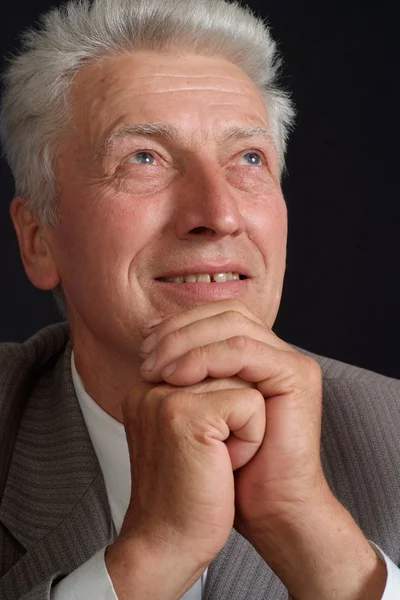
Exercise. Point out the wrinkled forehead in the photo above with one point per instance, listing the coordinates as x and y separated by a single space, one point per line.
197 95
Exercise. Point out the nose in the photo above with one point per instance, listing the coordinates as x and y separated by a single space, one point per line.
208 206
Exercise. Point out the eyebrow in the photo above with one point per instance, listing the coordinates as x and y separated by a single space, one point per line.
168 131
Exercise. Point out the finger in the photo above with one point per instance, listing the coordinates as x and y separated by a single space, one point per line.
290 453
236 417
206 331
184 318
275 371
251 360
164 347
133 401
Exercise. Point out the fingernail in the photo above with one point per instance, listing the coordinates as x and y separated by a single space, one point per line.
168 370
149 344
149 362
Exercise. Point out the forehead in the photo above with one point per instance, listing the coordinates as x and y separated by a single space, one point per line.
199 95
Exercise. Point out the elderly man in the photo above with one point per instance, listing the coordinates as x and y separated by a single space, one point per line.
166 444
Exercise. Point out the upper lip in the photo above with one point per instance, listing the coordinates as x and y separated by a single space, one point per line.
205 268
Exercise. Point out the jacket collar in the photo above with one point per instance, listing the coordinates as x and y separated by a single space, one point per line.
54 501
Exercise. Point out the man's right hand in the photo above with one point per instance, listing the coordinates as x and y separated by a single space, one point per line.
184 444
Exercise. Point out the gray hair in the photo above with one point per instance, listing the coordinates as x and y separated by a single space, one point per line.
35 102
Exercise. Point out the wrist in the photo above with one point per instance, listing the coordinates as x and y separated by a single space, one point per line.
321 553
140 571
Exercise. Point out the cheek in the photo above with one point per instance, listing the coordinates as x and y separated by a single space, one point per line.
267 220
256 181
102 236
262 200
278 224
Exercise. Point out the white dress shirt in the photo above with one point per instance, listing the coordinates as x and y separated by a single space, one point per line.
91 580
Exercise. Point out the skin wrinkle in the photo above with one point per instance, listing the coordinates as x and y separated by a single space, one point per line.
123 154
114 89
113 241
168 131
193 76
192 89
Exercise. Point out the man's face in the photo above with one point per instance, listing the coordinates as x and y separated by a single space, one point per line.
193 190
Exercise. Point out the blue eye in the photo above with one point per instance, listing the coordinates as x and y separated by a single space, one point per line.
142 158
252 158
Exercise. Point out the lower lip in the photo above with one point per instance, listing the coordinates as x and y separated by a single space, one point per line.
204 292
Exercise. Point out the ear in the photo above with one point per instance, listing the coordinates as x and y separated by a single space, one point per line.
35 246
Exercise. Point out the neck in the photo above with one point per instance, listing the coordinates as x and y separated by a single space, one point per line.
107 376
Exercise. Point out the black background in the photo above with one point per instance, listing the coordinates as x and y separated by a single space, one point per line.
341 296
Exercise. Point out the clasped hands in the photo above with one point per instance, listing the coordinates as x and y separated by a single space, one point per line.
273 424
225 430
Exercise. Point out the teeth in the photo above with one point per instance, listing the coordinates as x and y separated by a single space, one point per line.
190 279
220 277
204 278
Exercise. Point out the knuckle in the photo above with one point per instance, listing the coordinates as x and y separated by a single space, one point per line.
193 356
172 342
241 312
155 394
233 304
309 371
173 406
312 368
238 342
234 317
239 307
255 396
199 354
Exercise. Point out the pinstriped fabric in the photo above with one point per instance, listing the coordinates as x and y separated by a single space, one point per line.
85 531
361 448
361 459
18 364
54 513
46 474
361 432
239 573
10 550
54 503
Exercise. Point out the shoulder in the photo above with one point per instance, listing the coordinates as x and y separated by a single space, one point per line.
22 362
360 447
349 378
38 347
360 408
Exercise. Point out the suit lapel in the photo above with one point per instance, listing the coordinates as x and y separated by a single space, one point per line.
55 503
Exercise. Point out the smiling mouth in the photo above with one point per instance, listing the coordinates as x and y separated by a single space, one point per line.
204 278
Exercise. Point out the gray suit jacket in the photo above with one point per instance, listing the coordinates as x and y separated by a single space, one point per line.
54 513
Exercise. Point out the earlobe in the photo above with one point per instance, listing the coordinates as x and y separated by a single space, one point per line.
34 245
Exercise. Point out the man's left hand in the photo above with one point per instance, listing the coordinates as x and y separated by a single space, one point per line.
283 503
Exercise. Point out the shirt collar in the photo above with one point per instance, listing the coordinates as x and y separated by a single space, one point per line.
109 441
